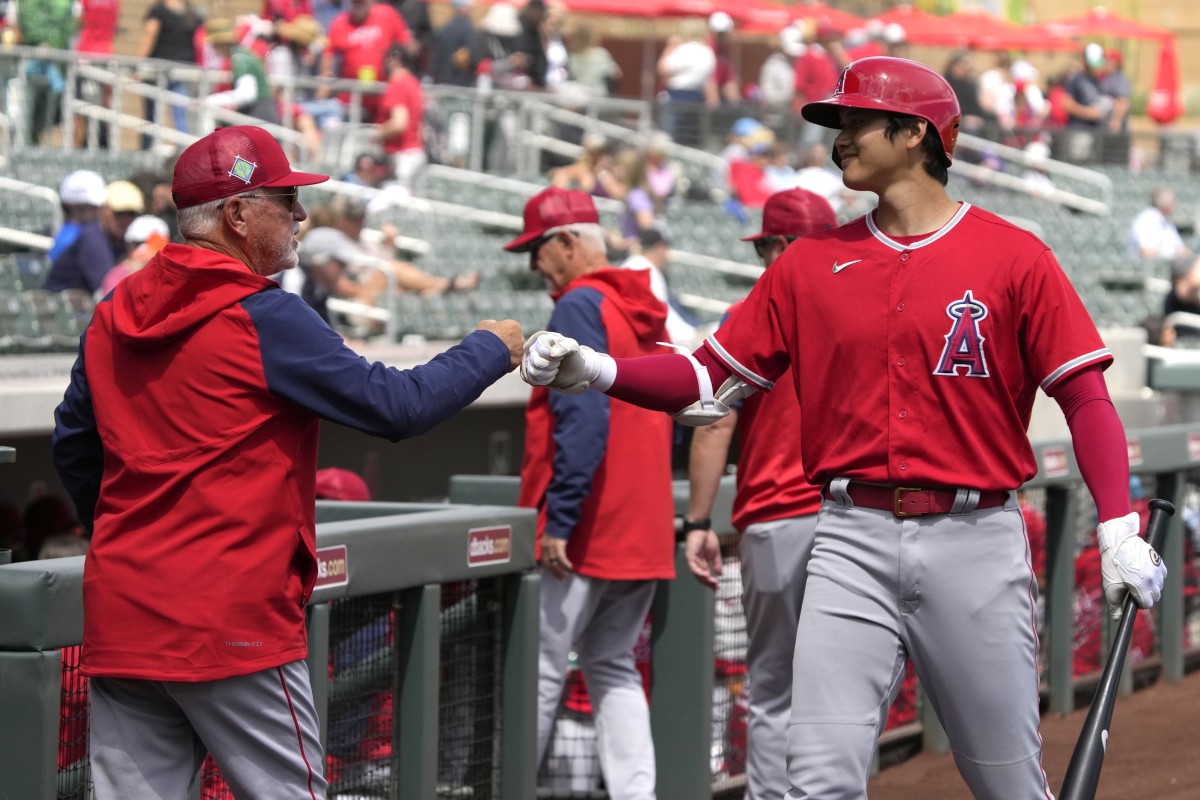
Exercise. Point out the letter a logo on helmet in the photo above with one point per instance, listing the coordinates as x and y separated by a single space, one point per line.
885 83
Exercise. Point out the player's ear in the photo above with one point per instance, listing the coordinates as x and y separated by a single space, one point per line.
917 133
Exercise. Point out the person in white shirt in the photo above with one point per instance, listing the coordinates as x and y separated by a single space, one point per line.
655 255
1153 234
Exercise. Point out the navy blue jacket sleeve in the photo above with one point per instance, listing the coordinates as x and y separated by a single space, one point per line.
75 444
306 362
580 420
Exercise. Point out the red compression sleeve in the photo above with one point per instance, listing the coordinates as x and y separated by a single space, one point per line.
666 382
1098 439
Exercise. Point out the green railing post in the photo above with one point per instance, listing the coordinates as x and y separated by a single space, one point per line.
682 685
518 715
318 665
1062 506
30 685
415 723
1172 487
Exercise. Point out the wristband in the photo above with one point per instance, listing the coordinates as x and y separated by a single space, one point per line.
690 525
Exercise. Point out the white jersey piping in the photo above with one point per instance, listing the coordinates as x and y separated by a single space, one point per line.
892 243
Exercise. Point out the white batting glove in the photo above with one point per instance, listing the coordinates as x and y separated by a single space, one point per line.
561 363
1128 564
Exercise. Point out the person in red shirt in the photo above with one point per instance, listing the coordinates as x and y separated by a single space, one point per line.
97 27
359 39
401 114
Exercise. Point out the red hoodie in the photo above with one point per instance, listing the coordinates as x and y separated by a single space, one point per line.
599 470
188 441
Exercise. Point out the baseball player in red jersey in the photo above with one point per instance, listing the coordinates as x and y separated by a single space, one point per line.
917 337
775 509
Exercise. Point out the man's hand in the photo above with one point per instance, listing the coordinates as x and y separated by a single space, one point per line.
554 556
1128 564
560 362
509 332
703 554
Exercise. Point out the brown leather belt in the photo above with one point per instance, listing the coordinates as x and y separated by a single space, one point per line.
913 501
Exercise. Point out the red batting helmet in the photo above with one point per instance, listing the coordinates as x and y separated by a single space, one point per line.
886 83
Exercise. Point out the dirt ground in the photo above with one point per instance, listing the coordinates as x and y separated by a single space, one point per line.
1151 752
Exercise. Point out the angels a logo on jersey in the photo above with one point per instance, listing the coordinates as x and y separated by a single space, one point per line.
963 353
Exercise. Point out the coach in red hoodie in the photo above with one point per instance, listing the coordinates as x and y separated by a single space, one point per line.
188 441
599 473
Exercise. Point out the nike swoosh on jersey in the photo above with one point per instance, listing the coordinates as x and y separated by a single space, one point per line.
839 267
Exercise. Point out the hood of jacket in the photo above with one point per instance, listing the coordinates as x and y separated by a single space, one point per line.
629 289
179 289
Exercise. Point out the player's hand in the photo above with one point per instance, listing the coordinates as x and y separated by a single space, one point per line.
554 556
703 554
560 362
1128 564
509 331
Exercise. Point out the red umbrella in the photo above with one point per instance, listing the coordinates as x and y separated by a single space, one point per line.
985 31
842 20
1099 21
921 27
1165 104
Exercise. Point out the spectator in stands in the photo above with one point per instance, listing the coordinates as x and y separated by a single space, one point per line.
555 45
1183 297
97 27
285 10
359 38
1115 85
1153 233
219 454
723 85
416 16
1087 106
685 67
81 255
816 176
122 203
662 174
995 94
370 169
529 41
292 57
1029 105
144 237
593 172
590 65
640 209
45 23
654 254
777 78
156 191
169 33
401 115
960 74
450 61
817 70
600 473
251 93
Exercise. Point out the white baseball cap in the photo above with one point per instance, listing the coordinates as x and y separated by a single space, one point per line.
720 22
791 41
83 188
145 226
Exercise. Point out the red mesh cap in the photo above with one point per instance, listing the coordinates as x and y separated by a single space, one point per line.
335 483
553 208
795 212
233 161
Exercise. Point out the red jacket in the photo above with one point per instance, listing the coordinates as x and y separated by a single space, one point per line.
599 470
188 441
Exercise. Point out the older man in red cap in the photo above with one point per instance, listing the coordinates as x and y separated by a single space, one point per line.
775 509
188 441
599 473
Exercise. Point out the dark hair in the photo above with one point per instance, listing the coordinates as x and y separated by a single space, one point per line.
936 164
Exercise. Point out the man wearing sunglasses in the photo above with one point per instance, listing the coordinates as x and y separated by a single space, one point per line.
599 474
188 442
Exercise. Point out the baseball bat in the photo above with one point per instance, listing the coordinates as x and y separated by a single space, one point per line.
1083 772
